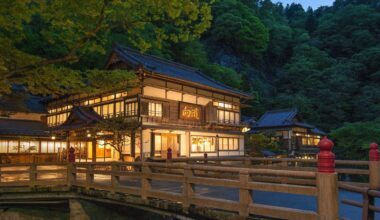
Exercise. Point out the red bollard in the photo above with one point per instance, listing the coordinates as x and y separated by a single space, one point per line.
169 154
326 158
71 155
374 152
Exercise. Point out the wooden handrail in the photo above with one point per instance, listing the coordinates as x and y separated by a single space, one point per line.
244 178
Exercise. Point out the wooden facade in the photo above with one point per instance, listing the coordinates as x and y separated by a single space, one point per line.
164 111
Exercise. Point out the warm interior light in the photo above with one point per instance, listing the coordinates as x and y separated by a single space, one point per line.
101 143
88 135
53 137
246 129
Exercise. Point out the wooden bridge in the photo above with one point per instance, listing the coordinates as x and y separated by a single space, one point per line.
176 181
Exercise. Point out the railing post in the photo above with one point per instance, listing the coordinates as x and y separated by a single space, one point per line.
374 167
188 188
245 195
89 176
115 178
374 180
33 175
327 182
145 181
70 175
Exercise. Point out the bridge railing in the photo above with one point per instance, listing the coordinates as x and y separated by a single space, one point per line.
189 177
182 182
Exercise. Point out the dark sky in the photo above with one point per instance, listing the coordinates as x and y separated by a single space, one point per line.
306 3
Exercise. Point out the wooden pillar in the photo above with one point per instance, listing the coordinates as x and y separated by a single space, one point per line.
245 195
141 145
94 150
133 143
327 182
152 143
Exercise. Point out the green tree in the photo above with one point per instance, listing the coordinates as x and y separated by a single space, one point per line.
352 140
75 28
235 27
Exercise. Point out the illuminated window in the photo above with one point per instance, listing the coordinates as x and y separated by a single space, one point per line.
93 101
108 110
228 117
98 110
107 98
127 145
157 145
226 105
201 144
13 147
155 109
29 146
119 108
131 109
3 146
228 143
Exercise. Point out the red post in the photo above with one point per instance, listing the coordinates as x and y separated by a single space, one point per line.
169 154
71 155
326 158
327 182
374 152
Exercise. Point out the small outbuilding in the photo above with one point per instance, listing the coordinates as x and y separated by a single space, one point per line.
284 126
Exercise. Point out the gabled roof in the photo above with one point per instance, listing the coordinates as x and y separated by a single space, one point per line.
283 118
16 127
276 118
80 117
172 69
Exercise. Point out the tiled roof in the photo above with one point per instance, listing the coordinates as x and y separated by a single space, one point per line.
172 69
283 118
17 127
22 102
79 117
277 118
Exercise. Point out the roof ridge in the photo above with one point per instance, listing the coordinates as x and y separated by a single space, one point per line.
153 63
282 110
160 58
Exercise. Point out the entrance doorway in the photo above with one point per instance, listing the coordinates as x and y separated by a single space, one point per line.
163 141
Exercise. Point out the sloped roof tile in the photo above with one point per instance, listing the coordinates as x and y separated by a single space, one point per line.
172 69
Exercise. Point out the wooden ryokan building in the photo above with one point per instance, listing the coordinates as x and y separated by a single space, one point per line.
173 105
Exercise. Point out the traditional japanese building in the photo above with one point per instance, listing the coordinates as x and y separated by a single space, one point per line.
284 126
24 135
172 106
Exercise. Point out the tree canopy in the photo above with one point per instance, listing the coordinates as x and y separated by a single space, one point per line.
45 44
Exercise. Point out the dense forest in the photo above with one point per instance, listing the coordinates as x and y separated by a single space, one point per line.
325 62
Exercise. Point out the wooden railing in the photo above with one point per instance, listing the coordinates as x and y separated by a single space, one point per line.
181 177
112 177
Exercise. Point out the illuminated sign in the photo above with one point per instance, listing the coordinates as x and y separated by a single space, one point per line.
190 112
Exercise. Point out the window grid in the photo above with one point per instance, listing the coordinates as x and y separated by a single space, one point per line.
155 109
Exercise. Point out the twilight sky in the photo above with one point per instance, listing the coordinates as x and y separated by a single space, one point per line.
306 3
